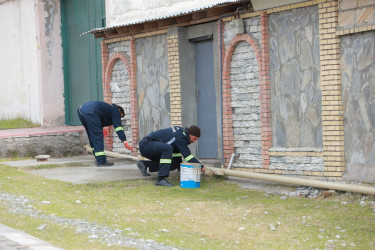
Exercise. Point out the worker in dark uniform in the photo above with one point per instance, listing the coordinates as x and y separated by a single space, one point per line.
94 116
165 149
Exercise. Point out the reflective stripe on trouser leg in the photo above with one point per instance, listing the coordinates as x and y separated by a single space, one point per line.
189 157
155 151
95 133
100 157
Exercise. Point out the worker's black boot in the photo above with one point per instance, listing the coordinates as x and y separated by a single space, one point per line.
105 164
141 166
161 181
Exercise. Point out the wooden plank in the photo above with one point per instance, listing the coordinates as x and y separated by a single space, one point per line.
166 22
184 19
221 10
123 30
199 15
99 35
136 28
151 25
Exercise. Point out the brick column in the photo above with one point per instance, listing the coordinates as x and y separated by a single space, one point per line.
174 79
133 96
107 94
265 92
332 109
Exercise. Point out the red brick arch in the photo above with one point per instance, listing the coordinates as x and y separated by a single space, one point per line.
107 94
228 136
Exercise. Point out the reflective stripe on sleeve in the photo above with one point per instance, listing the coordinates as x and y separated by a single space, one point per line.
189 157
99 153
118 129
166 161
176 155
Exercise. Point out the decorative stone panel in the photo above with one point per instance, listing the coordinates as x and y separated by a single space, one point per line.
356 14
152 84
358 96
295 78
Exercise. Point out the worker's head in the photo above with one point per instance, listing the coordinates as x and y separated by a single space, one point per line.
120 109
194 133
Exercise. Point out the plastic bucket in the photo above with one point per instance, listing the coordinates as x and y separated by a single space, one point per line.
190 175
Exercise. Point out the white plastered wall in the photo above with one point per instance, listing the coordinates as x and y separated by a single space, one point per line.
31 76
18 71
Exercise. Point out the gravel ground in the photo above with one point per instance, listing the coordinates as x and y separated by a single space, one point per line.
105 235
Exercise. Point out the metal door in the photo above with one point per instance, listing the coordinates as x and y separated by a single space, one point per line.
82 57
206 105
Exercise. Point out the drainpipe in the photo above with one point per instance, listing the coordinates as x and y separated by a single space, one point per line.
362 189
296 181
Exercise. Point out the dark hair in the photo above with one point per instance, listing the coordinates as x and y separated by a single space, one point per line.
195 131
119 108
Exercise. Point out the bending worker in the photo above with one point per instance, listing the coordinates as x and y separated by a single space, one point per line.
165 149
94 116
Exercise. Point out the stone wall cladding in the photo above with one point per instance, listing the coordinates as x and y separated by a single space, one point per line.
121 96
358 94
300 160
252 27
295 87
295 78
59 144
117 89
241 89
121 46
152 84
246 106
355 13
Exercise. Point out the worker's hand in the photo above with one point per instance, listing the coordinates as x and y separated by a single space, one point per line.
203 168
127 146
208 172
105 132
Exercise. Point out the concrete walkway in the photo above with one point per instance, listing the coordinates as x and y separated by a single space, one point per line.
14 239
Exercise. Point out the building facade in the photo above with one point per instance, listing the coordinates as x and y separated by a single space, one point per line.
293 85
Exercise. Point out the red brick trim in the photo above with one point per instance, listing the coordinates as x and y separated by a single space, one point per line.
134 96
265 92
228 137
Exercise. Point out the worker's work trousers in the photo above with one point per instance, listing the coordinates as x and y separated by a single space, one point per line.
161 156
94 132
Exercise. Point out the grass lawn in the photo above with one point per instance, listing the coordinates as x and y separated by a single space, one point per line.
218 215
17 123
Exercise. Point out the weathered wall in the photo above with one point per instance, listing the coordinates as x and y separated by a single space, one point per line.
54 144
19 95
152 84
31 75
358 94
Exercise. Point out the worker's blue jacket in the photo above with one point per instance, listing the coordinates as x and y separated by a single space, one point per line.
178 138
107 114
